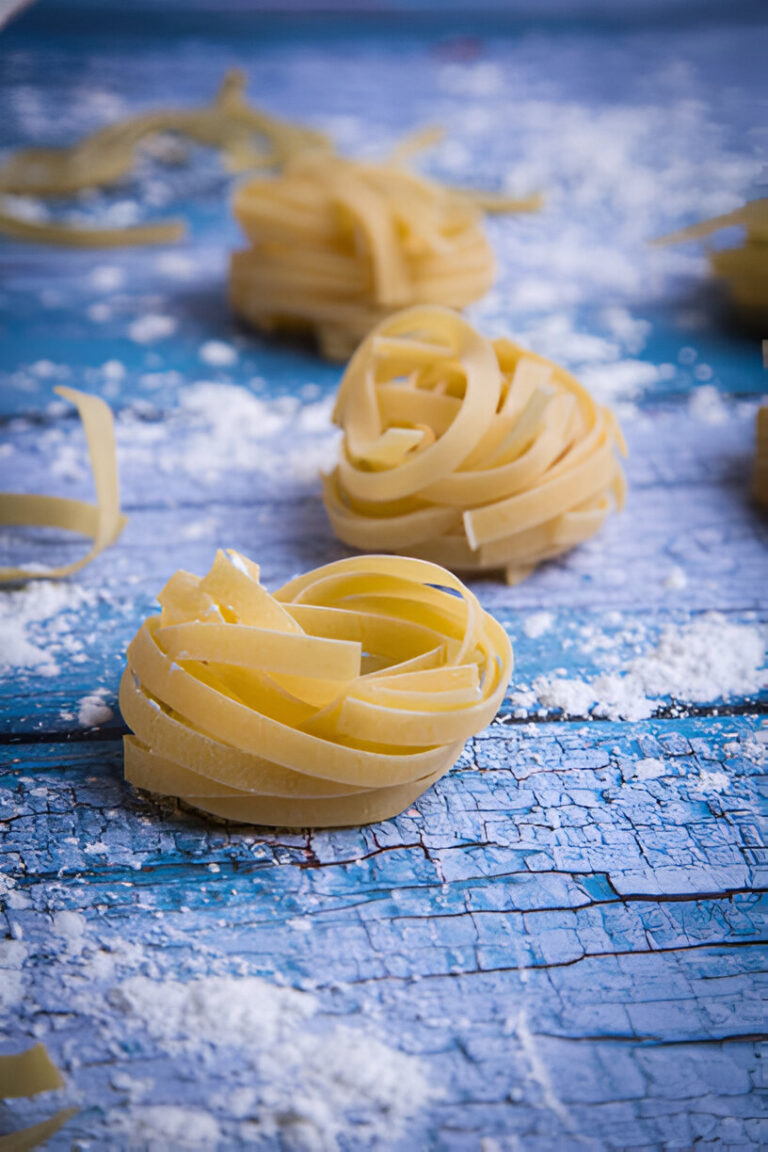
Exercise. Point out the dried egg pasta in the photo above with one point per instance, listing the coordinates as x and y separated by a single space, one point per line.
338 700
743 269
337 245
472 453
26 1074
247 138
102 522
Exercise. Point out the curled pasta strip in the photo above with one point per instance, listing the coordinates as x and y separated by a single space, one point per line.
760 476
338 700
744 268
472 453
102 522
337 245
27 1074
247 138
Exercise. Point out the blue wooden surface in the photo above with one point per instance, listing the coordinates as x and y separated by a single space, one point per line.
563 943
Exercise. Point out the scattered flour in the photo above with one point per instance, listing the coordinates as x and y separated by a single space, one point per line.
154 326
707 405
12 956
538 624
158 1126
219 428
676 579
310 1082
217 354
649 769
107 278
705 660
36 625
92 711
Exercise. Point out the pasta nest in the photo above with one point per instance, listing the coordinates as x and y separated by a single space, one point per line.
471 453
338 700
337 245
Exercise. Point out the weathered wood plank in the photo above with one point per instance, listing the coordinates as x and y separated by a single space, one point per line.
547 894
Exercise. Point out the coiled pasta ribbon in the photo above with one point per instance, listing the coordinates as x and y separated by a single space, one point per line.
102 522
472 453
338 700
337 245
743 269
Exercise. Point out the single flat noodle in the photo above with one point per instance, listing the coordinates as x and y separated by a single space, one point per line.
27 1074
336 701
336 245
760 476
472 453
102 522
744 268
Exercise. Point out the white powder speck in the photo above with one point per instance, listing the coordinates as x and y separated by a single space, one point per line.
712 781
107 278
176 265
704 660
12 956
538 624
154 326
217 354
707 405
676 579
113 370
649 769
621 380
92 711
100 312
25 208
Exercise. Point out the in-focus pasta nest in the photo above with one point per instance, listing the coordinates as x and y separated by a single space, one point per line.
338 700
337 245
472 453
743 268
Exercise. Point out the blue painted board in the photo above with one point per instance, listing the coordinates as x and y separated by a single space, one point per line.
563 943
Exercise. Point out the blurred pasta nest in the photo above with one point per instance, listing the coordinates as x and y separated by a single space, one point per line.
337 700
472 453
336 245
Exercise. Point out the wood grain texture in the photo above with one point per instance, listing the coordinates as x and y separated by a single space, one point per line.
568 932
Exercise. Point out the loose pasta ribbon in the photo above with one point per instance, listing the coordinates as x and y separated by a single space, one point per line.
474 454
102 522
337 245
743 268
336 701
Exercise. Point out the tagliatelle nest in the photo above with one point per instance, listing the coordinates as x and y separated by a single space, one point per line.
337 245
472 453
338 700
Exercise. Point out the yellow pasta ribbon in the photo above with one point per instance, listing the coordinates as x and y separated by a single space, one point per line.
26 1074
471 453
743 269
336 245
760 475
247 138
102 522
338 700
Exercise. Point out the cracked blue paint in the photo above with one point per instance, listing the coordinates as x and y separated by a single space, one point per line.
575 954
